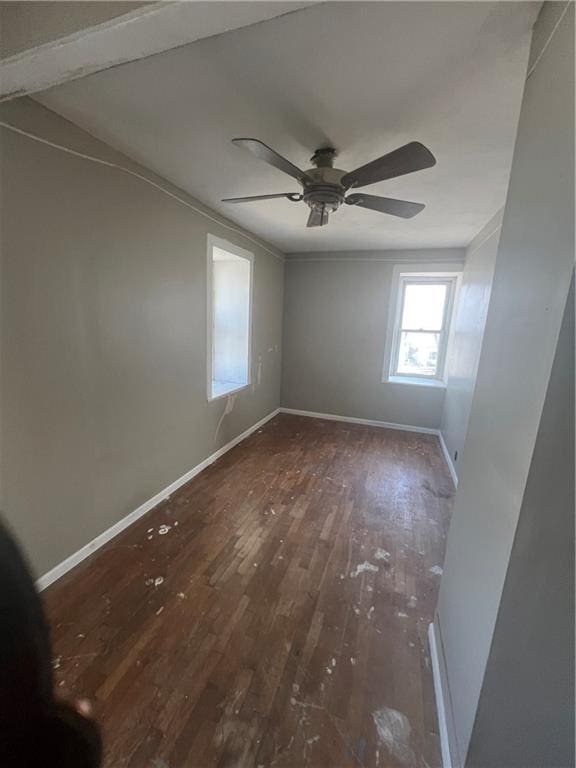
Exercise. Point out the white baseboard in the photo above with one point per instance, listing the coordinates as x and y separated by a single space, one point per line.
448 458
385 425
439 695
70 562
366 422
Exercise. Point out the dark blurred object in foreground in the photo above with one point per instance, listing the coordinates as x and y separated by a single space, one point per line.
35 728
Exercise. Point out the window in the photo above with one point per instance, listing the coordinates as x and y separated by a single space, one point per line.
229 317
420 328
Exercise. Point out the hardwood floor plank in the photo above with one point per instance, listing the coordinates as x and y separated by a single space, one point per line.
272 611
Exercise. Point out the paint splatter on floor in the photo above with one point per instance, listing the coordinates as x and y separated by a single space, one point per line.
363 568
393 728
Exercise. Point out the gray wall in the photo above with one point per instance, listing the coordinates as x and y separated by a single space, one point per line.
531 280
468 334
28 24
525 716
103 313
335 320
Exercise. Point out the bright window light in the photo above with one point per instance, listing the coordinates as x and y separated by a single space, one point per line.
421 331
229 315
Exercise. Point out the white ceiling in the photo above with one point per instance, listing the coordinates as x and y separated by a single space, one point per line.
363 77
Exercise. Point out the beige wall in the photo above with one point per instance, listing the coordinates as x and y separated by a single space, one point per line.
30 23
104 339
531 280
525 716
335 320
469 325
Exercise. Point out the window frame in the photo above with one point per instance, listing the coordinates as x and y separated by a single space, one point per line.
403 276
218 242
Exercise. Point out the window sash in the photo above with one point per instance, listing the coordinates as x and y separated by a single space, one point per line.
442 332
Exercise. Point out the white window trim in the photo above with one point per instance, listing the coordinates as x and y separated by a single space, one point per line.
430 272
226 245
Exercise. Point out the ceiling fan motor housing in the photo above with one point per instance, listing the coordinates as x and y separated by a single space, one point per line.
324 191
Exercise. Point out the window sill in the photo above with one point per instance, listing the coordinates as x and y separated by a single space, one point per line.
218 395
415 382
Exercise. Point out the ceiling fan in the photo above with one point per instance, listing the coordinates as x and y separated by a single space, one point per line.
325 187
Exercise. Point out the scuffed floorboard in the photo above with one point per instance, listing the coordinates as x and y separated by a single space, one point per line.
273 612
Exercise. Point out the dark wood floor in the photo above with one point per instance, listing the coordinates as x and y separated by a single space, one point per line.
279 618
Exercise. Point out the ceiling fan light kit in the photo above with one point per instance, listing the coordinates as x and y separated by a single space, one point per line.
325 188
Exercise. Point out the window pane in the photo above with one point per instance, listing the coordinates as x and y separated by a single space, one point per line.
424 306
230 321
418 353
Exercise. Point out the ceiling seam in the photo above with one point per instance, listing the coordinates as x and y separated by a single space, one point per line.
89 30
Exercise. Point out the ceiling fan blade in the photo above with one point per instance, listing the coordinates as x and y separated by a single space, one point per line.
266 153
407 159
402 208
294 197
318 217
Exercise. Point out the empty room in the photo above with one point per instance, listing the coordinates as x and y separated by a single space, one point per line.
287 384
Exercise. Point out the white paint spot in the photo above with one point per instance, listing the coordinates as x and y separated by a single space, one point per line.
175 523
150 530
370 589
362 568
62 683
159 580
371 612
295 687
149 538
293 701
357 610
401 615
436 570
329 670
259 372
149 582
181 595
313 740
163 530
80 636
353 661
333 662
393 728
382 554
412 645
159 611
412 602
255 565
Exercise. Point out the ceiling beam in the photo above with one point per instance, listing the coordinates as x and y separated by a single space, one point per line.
149 29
